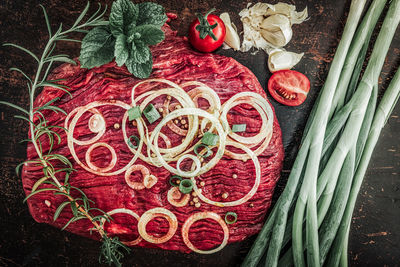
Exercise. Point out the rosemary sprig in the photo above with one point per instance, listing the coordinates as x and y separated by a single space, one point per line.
112 249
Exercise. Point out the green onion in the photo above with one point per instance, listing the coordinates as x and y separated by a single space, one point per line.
173 178
206 155
151 113
325 177
134 113
135 139
210 139
186 186
229 220
237 128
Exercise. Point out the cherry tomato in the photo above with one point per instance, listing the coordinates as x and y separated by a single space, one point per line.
207 33
289 87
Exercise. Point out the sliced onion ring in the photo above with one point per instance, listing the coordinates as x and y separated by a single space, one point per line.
175 198
149 181
91 107
181 112
88 157
196 163
136 185
157 212
249 195
201 216
129 212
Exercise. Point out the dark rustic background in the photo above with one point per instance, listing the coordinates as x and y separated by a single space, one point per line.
375 237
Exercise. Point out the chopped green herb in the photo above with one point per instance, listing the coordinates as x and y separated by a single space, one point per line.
134 113
186 186
133 141
230 217
151 113
206 155
210 139
237 128
173 180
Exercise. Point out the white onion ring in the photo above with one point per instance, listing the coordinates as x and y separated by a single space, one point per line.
196 161
71 140
267 116
175 198
96 168
96 123
149 181
136 185
200 216
129 212
157 212
181 112
86 142
249 195
260 104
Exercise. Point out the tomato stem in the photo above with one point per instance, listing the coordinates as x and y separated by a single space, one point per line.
204 27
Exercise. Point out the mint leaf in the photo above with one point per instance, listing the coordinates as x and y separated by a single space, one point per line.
140 70
140 53
151 13
148 34
123 16
121 50
97 48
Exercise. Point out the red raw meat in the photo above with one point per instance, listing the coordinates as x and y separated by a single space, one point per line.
176 61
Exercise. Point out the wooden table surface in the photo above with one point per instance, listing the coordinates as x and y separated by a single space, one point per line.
375 231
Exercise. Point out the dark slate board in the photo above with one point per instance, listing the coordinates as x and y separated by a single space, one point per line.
375 237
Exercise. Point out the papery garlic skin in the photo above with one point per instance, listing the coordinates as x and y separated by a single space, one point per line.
231 38
289 11
283 60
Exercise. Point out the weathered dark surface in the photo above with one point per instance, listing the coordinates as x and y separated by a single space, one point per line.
375 238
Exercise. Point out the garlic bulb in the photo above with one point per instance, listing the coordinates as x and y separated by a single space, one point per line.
282 60
231 37
267 26
277 30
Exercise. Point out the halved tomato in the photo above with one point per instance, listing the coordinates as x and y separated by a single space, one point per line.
289 87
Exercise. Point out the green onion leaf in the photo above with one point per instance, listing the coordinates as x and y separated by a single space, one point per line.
186 186
133 143
230 217
210 139
151 113
173 182
134 113
206 155
238 128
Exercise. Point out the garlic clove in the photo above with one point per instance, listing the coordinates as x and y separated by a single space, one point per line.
231 37
283 60
277 30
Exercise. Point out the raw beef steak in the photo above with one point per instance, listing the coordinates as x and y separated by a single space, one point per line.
229 180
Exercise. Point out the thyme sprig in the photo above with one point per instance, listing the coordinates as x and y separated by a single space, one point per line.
56 165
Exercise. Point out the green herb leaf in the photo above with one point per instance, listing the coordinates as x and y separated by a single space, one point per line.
151 13
97 48
134 113
148 34
121 50
60 209
210 139
140 70
140 53
123 16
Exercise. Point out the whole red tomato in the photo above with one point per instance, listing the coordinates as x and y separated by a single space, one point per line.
207 33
